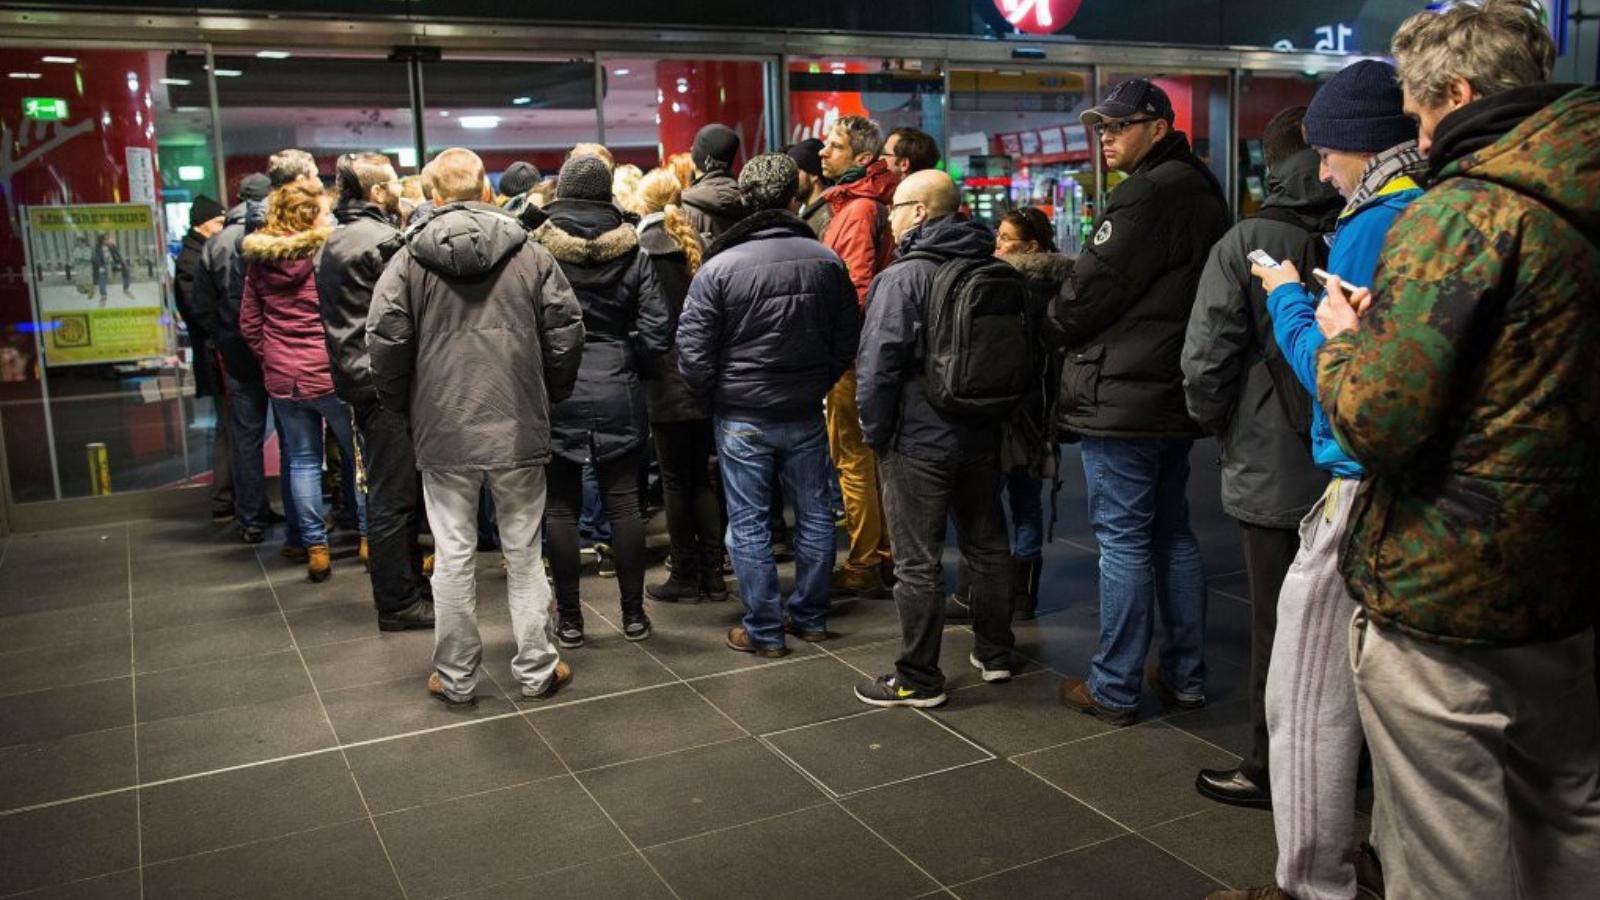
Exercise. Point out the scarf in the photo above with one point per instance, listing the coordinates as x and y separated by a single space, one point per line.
1399 161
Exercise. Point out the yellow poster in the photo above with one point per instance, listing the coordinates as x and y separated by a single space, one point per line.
98 274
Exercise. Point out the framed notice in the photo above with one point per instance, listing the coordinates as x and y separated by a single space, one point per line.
97 272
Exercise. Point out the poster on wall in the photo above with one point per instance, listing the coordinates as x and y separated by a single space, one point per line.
97 273
141 174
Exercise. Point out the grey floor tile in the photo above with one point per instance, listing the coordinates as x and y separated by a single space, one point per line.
1071 577
1228 632
188 645
771 698
63 665
497 837
874 749
70 766
216 685
59 627
979 809
632 726
229 737
333 623
1235 846
1139 776
442 765
295 593
695 791
954 649
73 841
1124 868
1225 724
1023 715
56 713
372 659
856 622
88 574
1063 639
187 605
607 663
402 706
344 861
194 815
619 878
122 885
826 853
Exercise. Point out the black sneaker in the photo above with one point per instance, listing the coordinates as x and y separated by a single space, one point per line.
712 587
418 615
675 590
569 634
991 673
635 626
887 690
252 535
605 565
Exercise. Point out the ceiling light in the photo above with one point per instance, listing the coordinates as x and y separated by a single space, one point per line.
620 72
179 82
68 60
191 173
28 76
228 73
444 112
477 122
521 101
272 54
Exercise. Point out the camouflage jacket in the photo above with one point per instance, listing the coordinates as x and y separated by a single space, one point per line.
1472 389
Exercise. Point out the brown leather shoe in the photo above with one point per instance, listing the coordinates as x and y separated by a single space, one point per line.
366 560
318 563
1075 693
739 639
859 582
560 679
1265 892
1164 692
436 689
427 566
810 637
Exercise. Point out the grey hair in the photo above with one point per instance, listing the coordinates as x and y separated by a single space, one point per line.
862 134
287 165
1493 45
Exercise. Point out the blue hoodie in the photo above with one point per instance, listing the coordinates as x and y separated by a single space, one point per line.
1354 258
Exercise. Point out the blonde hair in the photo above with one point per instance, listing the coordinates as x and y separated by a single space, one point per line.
624 182
682 165
596 150
1494 46
456 174
295 207
659 192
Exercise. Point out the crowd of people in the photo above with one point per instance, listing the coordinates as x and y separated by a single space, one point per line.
1409 440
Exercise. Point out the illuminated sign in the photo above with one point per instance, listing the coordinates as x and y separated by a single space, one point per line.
1038 16
47 109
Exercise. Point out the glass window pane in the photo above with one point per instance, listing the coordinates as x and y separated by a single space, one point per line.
654 107
892 92
1260 98
530 110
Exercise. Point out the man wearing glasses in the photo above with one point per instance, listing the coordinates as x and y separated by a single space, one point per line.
1122 317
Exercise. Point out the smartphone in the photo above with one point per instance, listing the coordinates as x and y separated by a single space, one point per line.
1322 277
1262 258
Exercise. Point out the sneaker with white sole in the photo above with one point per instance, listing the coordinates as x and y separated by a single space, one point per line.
887 691
991 674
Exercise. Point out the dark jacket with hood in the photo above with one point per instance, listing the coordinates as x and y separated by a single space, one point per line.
474 333
219 289
625 326
279 316
348 267
669 397
891 388
1028 439
187 270
713 204
1471 391
1124 312
1269 478
770 323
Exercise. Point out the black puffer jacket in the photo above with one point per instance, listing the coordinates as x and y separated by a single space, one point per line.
1027 439
713 204
474 333
219 289
1123 314
347 268
669 398
770 322
187 269
625 326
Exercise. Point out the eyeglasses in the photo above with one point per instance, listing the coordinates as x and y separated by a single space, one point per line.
1119 126
896 206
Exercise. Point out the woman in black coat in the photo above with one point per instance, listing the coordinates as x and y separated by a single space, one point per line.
604 422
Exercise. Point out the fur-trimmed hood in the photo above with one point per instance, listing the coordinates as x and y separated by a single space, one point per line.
262 246
594 242
1052 269
570 248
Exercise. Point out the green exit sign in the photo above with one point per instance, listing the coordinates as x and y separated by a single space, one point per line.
45 108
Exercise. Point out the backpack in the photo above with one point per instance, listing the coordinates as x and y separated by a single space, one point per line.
1293 398
979 358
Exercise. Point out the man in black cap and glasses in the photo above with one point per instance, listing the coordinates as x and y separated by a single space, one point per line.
1122 317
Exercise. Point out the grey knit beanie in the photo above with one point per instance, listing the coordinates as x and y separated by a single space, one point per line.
769 181
584 178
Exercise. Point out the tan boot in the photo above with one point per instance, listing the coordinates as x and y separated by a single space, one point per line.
427 566
366 562
318 564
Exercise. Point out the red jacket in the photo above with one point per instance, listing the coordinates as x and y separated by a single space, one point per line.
280 316
859 232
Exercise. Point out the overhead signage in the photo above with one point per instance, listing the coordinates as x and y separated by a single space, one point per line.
1038 16
44 109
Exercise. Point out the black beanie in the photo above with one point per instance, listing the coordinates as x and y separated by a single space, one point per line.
715 147
518 178
254 186
203 210
1359 110
807 155
584 178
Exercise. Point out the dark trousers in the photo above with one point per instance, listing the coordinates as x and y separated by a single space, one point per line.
221 451
919 498
1267 555
394 508
694 517
247 417
619 492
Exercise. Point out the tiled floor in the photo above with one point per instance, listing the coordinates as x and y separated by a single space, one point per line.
182 716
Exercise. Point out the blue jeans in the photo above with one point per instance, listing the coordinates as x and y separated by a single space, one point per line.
1149 566
593 524
748 453
247 417
302 436
1027 515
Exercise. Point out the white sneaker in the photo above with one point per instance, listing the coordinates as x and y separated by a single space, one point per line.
992 676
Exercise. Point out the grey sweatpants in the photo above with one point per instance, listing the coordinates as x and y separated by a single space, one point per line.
452 500
1313 726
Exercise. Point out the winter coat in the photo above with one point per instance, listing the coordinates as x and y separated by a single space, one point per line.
1027 439
713 204
1268 476
473 334
668 398
187 267
1471 390
279 316
770 323
348 267
817 216
1124 312
890 387
625 326
217 295
859 230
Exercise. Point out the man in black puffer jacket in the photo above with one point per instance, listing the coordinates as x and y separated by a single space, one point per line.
1122 317
769 325
713 203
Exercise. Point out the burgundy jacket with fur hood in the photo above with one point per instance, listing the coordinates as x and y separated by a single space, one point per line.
280 316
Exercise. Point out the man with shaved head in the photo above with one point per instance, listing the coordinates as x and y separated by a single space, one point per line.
934 467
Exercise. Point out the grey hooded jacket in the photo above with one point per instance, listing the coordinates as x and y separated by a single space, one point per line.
474 333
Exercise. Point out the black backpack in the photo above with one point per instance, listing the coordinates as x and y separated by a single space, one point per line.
1293 398
978 358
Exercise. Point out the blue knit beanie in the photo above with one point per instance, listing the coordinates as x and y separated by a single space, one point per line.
1359 110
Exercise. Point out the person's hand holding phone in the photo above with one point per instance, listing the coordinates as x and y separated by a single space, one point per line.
1339 311
1274 277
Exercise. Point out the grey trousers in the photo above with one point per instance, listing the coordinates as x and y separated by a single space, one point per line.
1313 726
1486 763
452 501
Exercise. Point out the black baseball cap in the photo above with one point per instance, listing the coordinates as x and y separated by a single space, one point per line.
1135 97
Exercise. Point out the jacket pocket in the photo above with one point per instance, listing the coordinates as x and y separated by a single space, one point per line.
1080 380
